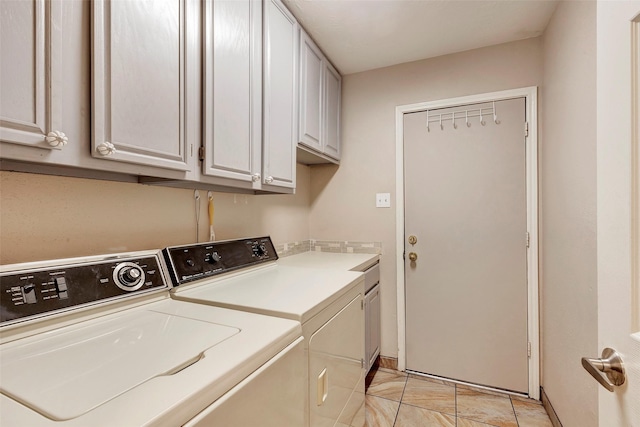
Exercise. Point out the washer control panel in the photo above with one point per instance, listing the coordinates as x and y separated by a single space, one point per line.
40 291
193 262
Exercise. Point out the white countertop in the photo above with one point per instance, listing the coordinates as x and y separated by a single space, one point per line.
331 260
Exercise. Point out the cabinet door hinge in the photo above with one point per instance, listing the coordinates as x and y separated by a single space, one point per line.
201 152
528 239
528 349
526 129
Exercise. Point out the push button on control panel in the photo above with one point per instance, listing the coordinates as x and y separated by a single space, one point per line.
29 293
61 286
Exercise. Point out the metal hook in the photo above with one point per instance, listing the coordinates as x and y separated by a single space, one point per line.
466 118
441 127
453 120
428 129
495 115
482 122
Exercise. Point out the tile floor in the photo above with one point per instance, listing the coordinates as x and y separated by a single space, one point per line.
395 399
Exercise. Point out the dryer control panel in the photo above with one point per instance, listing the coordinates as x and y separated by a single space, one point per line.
193 262
29 293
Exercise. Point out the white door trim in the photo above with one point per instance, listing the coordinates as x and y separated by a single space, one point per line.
531 100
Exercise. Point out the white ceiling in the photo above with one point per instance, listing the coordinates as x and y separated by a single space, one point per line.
360 35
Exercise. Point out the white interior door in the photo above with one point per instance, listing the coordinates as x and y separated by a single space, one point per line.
466 203
619 204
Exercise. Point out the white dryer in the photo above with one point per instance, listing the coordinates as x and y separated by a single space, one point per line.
97 341
242 275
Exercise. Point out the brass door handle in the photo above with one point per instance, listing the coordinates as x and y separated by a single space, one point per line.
413 256
608 371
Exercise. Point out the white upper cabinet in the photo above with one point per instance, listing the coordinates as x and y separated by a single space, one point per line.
320 98
140 55
310 92
331 111
233 90
280 100
30 70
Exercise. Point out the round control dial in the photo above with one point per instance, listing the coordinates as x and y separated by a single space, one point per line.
128 276
212 258
259 250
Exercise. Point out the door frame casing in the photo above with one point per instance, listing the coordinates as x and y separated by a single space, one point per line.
531 153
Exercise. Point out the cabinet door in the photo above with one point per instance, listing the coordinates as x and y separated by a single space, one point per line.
332 94
373 324
30 68
310 93
233 89
139 57
280 95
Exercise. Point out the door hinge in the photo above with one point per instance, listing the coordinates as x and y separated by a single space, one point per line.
528 239
528 349
362 363
201 152
526 129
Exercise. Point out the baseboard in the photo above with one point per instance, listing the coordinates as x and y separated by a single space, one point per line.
388 362
549 408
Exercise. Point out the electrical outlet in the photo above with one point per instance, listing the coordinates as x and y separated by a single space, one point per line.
383 200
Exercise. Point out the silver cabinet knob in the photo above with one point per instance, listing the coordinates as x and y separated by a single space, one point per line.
608 370
106 149
255 177
268 179
57 139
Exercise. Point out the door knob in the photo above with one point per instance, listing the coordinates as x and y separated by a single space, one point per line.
608 371
413 256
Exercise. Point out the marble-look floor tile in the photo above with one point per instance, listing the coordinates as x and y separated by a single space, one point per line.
412 416
380 412
463 422
430 395
485 408
388 385
531 414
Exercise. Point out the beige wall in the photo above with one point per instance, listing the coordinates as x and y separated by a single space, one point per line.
568 212
44 217
343 199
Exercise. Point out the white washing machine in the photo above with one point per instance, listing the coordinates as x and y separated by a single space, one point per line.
242 275
97 341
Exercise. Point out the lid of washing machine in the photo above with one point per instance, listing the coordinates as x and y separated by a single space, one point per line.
67 373
291 292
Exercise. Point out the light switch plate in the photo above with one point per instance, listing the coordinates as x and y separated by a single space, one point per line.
383 200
